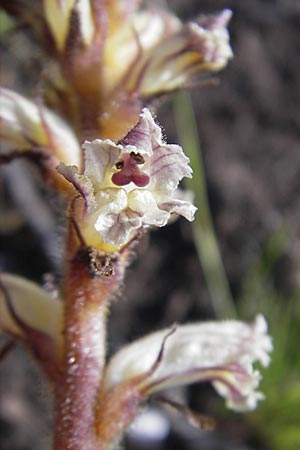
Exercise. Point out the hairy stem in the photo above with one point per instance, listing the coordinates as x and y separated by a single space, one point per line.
87 293
80 376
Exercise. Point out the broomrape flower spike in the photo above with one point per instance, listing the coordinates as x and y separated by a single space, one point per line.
130 185
125 185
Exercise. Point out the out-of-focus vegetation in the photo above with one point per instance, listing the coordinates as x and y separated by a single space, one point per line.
204 233
276 420
6 23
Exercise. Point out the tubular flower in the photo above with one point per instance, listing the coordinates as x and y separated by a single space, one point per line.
220 352
161 55
34 316
130 185
198 46
26 126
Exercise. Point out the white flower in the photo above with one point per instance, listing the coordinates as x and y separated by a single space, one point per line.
130 185
220 352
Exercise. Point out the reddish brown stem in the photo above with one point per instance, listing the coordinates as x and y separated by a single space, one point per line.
80 376
87 293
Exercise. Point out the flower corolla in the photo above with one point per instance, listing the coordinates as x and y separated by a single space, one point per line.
130 185
220 352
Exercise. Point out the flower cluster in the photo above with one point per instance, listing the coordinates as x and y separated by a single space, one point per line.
220 352
87 85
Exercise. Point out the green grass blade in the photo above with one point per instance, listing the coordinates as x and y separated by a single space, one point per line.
204 233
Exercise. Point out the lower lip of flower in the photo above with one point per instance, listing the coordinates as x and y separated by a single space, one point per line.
129 171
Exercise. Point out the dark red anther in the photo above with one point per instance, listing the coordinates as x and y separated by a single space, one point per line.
129 171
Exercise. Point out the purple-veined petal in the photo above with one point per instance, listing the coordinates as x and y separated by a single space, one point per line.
167 167
211 38
200 46
220 352
129 185
123 213
81 183
139 139
167 164
179 207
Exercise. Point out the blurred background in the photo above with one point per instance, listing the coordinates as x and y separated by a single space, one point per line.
240 257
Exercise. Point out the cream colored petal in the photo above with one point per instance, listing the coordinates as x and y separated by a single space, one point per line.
200 46
179 207
86 22
100 157
143 203
58 13
131 41
23 125
34 307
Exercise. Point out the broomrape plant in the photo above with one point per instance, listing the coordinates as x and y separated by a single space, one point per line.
100 147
